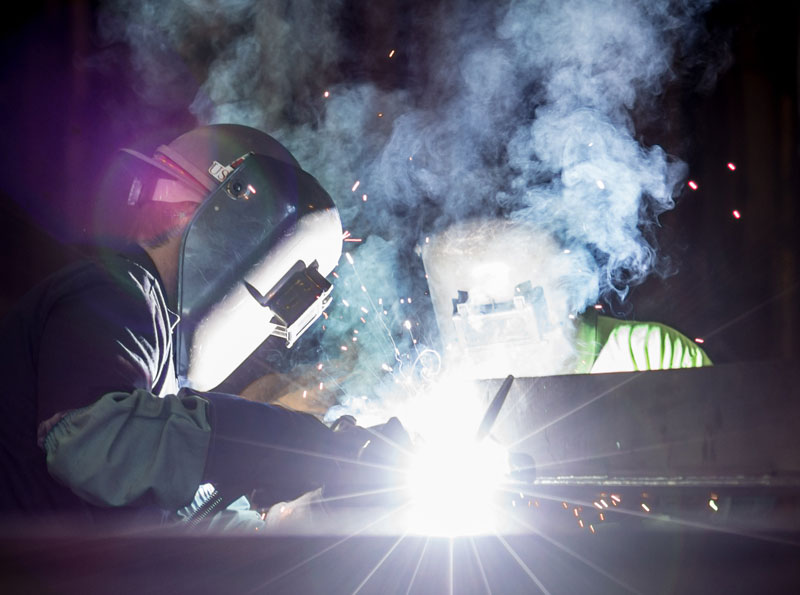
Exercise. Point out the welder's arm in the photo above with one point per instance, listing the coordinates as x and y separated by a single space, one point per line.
630 347
280 452
138 449
132 449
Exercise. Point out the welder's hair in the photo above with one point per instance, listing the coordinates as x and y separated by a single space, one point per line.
156 223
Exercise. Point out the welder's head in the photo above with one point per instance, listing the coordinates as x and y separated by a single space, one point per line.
501 296
258 237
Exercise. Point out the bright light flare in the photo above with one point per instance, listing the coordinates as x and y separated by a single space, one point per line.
737 214
693 185
454 485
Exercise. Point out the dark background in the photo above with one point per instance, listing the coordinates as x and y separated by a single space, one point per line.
67 100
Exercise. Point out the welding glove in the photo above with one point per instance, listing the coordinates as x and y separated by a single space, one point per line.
375 473
278 452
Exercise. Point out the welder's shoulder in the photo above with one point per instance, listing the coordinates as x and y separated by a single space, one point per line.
109 289
630 346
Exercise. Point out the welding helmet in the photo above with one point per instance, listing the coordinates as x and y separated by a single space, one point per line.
503 298
254 257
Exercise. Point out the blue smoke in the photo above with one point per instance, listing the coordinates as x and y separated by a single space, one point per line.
517 109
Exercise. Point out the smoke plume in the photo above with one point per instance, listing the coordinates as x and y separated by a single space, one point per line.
521 109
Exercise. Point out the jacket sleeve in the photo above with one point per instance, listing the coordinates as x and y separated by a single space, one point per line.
132 449
280 452
638 346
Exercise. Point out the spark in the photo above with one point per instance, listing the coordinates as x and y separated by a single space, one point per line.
604 503
616 498
601 185
363 321
391 54
713 505
692 184
597 505
326 94
343 347
380 114
567 251
305 394
737 214
407 324
353 240
598 306
699 340
356 185
645 507
386 367
354 339
380 301
348 257
335 274
731 166
325 314
319 366
321 386
346 303
364 289
364 197
409 300
427 240
591 528
364 310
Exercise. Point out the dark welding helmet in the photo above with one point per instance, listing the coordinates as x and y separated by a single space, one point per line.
254 257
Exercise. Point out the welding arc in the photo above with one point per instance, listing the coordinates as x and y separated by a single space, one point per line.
494 409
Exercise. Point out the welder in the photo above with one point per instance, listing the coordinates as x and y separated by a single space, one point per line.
510 298
108 364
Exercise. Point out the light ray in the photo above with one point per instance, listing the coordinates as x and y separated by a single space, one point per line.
338 459
380 562
574 554
480 565
419 563
752 310
522 564
575 410
450 565
327 549
659 517
353 495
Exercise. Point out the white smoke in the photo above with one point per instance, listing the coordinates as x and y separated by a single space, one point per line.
521 108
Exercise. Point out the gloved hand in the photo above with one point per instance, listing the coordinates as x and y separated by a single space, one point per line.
375 469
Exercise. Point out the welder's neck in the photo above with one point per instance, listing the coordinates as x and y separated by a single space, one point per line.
165 257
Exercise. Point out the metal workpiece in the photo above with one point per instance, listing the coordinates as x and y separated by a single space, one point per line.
722 425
